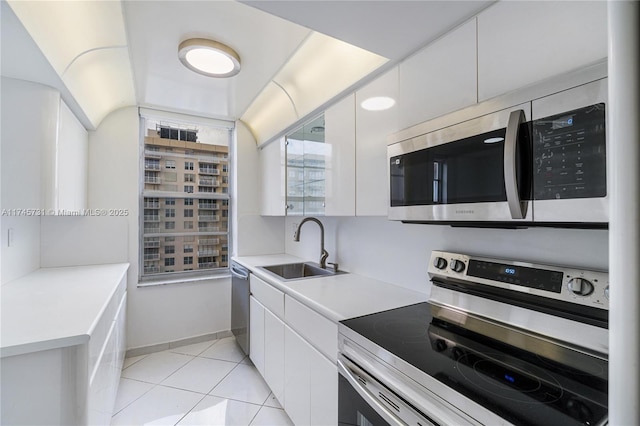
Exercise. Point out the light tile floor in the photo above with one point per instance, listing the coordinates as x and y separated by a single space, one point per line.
208 383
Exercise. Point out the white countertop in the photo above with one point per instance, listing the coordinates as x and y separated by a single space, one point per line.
336 297
55 307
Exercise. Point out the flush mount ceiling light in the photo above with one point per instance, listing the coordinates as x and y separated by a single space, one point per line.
378 103
209 57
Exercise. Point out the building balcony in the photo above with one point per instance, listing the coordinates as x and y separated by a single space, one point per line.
208 228
152 204
207 265
208 182
209 242
150 153
151 269
208 252
151 243
207 206
152 166
151 218
151 229
152 179
208 218
208 171
152 256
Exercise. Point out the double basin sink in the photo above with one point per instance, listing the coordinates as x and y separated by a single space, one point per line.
297 271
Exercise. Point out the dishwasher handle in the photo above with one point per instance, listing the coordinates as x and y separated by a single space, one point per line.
239 271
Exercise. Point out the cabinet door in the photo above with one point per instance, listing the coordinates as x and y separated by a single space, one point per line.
297 378
520 43
440 78
274 354
256 334
340 138
372 129
72 159
324 390
272 173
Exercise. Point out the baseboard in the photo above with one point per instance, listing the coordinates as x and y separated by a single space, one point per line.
146 350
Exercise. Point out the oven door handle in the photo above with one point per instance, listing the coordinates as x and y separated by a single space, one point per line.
517 207
347 369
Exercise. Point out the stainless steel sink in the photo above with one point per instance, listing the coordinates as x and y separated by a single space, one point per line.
296 271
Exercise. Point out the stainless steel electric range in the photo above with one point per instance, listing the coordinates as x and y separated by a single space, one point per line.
498 342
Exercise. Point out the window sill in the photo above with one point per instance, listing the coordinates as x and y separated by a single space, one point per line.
181 280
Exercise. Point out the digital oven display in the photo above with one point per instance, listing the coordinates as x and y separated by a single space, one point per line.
519 275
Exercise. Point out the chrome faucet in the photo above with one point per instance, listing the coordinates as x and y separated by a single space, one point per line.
323 253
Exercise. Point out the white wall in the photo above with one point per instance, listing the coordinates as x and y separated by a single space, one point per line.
253 234
155 314
29 120
399 253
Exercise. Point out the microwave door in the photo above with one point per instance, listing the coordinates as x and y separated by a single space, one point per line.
457 174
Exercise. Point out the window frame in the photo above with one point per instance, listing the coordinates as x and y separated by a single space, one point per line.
219 198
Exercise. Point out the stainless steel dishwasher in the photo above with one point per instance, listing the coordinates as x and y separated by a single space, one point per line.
240 305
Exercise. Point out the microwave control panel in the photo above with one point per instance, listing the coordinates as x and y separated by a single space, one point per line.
569 152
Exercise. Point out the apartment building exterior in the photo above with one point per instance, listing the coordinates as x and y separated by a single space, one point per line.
185 203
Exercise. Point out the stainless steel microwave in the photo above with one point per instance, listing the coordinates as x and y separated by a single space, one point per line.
542 162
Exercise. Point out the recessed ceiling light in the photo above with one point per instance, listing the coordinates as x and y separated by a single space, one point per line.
209 57
378 103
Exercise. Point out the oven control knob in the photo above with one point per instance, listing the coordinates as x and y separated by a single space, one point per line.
578 410
440 262
441 345
457 265
580 286
606 292
457 353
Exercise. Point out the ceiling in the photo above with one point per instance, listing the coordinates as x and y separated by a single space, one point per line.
264 33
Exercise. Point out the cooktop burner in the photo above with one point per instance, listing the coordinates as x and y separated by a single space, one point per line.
521 387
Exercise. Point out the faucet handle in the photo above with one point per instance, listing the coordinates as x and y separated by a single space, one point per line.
335 266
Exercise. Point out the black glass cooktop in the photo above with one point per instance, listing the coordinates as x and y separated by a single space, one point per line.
521 387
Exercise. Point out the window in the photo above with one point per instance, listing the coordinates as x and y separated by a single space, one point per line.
181 215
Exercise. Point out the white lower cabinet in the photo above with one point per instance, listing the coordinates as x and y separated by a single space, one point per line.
311 383
266 346
256 334
69 384
274 354
284 335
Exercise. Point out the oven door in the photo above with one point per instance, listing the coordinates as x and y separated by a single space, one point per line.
475 171
363 401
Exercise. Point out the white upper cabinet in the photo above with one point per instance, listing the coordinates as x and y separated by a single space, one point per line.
520 43
440 78
372 129
340 138
72 159
272 173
